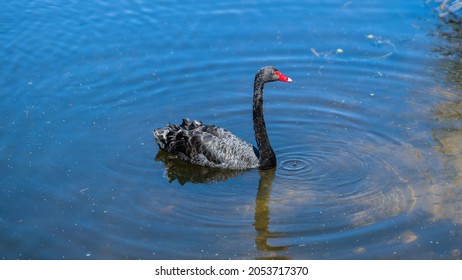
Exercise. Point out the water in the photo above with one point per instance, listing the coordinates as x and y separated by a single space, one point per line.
367 137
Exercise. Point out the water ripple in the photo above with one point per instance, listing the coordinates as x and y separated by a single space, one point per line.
356 181
334 162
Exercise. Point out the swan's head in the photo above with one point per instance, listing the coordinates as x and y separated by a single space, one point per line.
271 74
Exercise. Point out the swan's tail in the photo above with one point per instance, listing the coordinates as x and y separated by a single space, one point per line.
161 136
172 138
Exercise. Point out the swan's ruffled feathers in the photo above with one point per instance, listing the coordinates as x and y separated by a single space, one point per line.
206 145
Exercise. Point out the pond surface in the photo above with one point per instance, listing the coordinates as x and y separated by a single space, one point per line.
368 136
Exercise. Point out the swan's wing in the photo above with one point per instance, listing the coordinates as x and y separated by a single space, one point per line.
217 131
224 151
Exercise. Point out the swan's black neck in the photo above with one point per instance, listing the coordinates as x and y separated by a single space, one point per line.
267 156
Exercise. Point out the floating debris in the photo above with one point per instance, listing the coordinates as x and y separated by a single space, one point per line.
82 191
360 250
314 52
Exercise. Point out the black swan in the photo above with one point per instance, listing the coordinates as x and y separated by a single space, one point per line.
212 146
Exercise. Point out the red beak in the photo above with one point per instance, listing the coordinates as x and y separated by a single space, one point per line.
282 77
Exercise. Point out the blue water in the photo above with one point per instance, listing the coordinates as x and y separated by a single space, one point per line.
367 137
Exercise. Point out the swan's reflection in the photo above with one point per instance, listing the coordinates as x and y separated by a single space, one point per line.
262 213
185 172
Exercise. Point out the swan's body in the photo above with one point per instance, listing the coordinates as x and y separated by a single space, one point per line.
213 146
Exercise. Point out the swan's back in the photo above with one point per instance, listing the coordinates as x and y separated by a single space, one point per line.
206 145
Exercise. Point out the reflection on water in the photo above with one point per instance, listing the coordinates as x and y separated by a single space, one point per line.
448 113
262 216
184 172
328 209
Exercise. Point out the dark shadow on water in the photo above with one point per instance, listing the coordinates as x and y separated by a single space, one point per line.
184 172
450 47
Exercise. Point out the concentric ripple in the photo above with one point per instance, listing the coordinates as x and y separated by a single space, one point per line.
329 163
358 180
298 163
